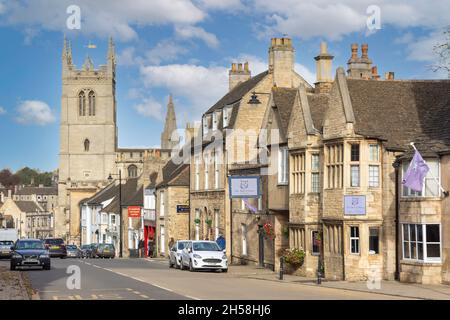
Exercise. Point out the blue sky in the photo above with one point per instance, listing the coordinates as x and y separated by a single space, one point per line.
183 47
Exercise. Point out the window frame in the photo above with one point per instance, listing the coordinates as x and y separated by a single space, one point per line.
357 239
283 165
370 182
378 228
424 243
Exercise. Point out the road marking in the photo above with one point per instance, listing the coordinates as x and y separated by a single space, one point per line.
137 292
191 297
129 289
88 263
108 269
98 267
144 296
55 297
161 287
78 297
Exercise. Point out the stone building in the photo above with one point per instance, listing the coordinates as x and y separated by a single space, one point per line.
344 144
89 152
47 197
172 206
228 140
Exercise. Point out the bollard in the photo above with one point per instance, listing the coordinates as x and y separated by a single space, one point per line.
281 267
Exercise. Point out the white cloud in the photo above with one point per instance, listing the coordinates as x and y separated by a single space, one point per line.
421 49
307 74
150 108
200 85
326 18
2 110
165 50
220 4
191 32
34 112
127 57
101 17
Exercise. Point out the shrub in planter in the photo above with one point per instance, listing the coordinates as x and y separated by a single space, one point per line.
294 257
197 221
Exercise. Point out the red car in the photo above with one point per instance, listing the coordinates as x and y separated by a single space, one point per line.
56 247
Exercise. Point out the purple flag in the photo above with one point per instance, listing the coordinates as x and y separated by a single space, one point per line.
416 173
248 205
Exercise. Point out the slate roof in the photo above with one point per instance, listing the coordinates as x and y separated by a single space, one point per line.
105 194
29 190
401 112
136 199
284 99
175 175
237 92
28 206
130 196
318 104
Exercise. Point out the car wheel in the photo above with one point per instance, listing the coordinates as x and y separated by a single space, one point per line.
181 265
191 267
225 270
47 267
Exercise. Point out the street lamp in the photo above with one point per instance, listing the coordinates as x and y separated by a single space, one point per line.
110 179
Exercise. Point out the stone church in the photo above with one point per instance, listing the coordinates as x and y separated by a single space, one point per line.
89 151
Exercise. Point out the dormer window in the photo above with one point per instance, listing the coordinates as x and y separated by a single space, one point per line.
226 115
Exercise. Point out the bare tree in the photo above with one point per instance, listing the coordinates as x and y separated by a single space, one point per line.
442 51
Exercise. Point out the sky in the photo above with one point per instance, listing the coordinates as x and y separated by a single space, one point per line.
185 48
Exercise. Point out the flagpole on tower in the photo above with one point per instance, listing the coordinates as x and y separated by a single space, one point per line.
446 193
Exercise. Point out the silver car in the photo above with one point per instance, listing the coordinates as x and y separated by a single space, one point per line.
5 248
175 253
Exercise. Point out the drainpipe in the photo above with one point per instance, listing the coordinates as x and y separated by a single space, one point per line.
396 166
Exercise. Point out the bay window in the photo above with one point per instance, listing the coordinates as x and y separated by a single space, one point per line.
421 242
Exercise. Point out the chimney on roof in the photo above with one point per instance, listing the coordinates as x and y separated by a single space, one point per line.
9 193
375 75
359 67
281 62
323 70
389 75
238 74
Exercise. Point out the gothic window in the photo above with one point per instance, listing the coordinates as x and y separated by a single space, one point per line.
82 104
87 144
132 171
91 103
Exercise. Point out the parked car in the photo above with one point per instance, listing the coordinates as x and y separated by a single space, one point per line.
105 250
94 247
86 251
30 253
56 247
73 251
203 255
5 248
175 253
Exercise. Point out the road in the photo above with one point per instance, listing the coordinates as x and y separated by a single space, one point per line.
143 279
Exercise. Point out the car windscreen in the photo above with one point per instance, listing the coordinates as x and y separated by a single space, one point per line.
85 246
71 247
6 243
29 245
54 241
182 245
105 246
206 246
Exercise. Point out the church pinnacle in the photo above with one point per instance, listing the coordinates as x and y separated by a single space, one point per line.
169 137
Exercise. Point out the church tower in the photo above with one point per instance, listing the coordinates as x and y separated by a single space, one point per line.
169 137
88 134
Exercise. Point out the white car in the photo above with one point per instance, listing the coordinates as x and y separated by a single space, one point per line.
175 253
203 255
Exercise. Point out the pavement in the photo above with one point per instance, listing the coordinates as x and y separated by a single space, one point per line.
13 285
148 279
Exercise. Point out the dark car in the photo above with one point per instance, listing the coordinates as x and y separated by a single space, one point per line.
73 251
30 253
86 251
105 250
56 247
5 248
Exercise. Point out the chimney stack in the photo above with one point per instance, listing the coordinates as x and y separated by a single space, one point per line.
359 67
364 51
281 62
354 49
238 74
323 70
389 75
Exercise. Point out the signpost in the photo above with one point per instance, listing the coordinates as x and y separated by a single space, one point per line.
182 208
354 205
134 212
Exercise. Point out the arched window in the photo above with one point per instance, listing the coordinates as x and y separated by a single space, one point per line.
82 104
87 144
91 103
132 171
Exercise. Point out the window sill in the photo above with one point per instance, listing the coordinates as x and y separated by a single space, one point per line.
419 199
282 184
421 263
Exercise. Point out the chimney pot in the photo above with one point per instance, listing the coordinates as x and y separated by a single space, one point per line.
246 66
323 47
354 49
364 50
239 66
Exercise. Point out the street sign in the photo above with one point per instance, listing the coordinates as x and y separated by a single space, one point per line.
354 205
134 212
181 208
244 186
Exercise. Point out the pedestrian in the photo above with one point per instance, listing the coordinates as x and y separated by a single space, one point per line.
171 243
221 242
141 248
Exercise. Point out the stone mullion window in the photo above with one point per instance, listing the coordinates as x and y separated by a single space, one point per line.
355 170
298 173
334 166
